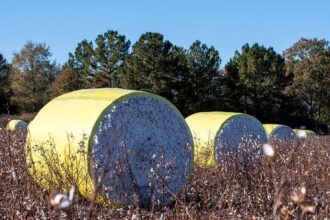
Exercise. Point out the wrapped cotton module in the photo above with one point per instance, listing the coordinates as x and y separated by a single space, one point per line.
280 132
16 124
310 133
218 133
138 143
303 133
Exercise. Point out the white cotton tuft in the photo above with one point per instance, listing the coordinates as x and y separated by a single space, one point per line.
268 150
71 193
63 201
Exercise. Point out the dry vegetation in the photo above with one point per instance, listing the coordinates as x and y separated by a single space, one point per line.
293 184
27 117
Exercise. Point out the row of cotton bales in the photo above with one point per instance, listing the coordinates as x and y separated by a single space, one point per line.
16 125
217 134
144 131
303 133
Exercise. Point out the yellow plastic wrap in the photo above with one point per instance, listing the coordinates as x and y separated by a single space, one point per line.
81 112
310 133
296 130
269 128
205 127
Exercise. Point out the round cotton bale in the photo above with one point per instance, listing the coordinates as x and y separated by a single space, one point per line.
14 125
280 132
310 133
132 138
303 133
218 133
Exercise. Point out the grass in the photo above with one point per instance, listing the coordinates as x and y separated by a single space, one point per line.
291 184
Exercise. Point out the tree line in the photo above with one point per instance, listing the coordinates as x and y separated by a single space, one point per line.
290 88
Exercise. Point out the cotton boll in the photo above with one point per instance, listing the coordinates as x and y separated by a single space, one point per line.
63 201
65 204
268 150
57 199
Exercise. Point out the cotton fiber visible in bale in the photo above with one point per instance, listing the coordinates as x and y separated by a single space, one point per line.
216 134
16 124
280 132
133 137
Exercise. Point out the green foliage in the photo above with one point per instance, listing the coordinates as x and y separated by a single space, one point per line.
292 89
308 61
4 85
82 61
32 76
110 53
156 66
187 78
67 80
204 78
98 67
255 80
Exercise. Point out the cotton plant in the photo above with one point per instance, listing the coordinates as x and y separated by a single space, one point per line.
62 201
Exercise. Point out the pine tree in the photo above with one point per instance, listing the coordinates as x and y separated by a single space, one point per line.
156 66
82 61
4 85
255 82
204 78
110 53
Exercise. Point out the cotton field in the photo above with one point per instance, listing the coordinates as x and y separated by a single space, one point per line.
133 155
291 181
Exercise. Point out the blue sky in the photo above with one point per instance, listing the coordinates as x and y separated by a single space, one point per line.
225 24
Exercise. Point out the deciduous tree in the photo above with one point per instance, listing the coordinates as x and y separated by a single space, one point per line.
33 73
67 80
308 61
